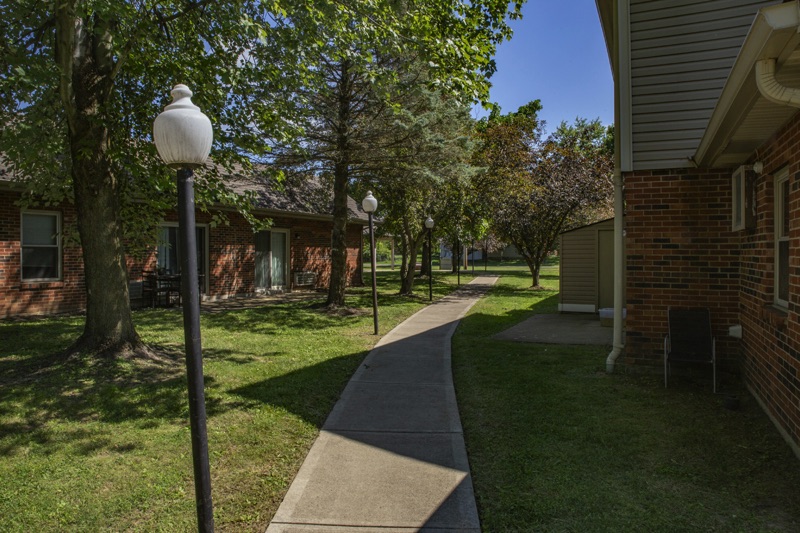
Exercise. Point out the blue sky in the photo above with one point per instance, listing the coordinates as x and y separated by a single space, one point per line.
557 55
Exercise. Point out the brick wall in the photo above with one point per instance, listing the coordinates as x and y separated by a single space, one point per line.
771 336
35 298
681 252
231 249
231 260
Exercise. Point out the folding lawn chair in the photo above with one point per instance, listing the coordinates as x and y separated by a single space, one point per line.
689 340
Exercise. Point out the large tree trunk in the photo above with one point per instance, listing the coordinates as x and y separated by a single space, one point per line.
86 83
341 176
109 324
338 281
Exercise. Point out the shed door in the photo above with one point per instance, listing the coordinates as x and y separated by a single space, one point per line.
605 268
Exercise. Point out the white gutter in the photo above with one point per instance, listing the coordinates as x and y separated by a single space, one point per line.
773 28
619 271
771 89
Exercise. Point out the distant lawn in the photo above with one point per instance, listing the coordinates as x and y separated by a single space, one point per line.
556 444
89 446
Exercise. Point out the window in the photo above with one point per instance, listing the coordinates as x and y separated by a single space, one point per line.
782 239
41 246
168 253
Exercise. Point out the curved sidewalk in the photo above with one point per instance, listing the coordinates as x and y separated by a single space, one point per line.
391 455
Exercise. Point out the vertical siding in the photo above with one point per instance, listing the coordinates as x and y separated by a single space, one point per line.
681 54
578 265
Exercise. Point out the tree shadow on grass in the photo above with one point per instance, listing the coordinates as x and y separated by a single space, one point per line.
309 392
483 325
45 406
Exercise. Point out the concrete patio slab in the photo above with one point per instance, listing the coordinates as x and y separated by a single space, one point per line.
563 328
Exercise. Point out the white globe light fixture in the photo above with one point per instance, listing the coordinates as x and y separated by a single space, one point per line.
429 223
183 137
182 133
370 205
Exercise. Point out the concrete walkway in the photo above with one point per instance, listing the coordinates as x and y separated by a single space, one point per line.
391 455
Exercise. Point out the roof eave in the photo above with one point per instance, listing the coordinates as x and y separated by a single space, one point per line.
773 34
605 11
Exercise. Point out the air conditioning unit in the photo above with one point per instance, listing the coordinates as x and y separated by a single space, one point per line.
305 278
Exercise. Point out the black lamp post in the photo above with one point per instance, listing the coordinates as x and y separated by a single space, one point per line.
370 204
183 136
457 258
429 225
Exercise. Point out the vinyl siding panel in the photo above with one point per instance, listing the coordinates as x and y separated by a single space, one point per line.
681 54
578 264
578 268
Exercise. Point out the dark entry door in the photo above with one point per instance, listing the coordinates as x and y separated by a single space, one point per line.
263 261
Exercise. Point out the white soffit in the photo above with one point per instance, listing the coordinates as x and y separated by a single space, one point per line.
743 119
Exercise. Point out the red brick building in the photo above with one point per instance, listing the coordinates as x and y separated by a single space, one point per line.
708 168
40 273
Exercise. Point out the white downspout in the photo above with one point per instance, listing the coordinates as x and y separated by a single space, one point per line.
622 161
619 271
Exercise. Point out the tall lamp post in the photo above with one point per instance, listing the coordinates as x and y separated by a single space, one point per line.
183 136
429 225
370 204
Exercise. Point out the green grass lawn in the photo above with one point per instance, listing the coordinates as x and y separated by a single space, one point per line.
556 444
88 445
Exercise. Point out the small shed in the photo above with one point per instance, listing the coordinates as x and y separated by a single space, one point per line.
587 268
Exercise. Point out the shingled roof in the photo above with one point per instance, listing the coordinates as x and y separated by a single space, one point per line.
297 194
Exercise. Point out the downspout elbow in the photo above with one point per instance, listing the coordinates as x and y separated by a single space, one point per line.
771 89
611 360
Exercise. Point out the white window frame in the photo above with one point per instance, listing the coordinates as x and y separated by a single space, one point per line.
781 235
58 245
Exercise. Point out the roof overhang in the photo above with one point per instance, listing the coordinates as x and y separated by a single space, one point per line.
605 11
744 118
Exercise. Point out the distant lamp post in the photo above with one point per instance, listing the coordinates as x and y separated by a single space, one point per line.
370 205
429 226
183 136
457 259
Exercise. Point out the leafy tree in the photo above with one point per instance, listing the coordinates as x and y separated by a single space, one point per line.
434 153
81 82
349 118
538 187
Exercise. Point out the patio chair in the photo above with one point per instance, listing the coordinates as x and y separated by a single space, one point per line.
689 340
155 288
